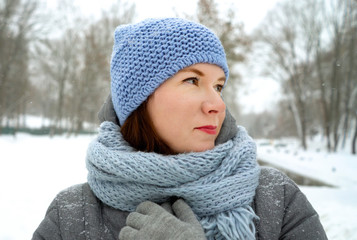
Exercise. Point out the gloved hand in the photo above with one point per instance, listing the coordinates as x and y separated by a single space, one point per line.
151 221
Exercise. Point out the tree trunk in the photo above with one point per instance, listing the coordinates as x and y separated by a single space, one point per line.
335 89
323 102
300 127
303 126
348 106
354 139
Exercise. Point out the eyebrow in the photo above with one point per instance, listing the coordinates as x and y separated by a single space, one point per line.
198 72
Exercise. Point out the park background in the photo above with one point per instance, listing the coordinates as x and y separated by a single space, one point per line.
293 85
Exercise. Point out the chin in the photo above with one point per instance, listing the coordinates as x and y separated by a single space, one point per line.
195 146
203 147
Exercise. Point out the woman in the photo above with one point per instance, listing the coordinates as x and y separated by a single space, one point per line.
170 154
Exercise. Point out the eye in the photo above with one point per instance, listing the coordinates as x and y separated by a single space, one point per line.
219 88
191 80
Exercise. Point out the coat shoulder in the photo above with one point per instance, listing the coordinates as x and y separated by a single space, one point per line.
269 202
284 211
271 178
75 196
70 215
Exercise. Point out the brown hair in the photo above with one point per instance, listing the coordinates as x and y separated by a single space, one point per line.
138 130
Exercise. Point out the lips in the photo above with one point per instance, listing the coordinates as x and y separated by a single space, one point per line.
208 129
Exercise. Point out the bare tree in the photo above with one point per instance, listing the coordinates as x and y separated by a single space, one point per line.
18 23
92 85
311 49
234 40
336 18
289 42
59 66
76 66
351 74
335 65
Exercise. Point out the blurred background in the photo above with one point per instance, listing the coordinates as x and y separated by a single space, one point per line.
293 85
293 69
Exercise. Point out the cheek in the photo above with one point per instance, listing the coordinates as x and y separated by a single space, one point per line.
170 114
172 103
163 109
165 106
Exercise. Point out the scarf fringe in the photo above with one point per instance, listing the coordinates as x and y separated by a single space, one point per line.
237 224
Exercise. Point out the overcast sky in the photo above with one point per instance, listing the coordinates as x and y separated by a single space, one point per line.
258 93
251 12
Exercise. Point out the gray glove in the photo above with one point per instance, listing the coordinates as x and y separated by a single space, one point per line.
150 221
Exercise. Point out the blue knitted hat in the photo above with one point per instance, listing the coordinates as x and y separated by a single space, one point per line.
148 53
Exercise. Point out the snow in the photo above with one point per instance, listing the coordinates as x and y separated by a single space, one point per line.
35 122
337 169
336 206
337 209
35 168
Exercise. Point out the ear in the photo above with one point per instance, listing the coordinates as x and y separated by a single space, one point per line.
107 112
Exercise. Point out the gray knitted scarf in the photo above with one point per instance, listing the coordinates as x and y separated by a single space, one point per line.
218 184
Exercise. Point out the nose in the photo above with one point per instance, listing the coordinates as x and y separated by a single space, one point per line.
213 103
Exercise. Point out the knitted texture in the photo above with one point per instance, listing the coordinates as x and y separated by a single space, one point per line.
148 53
218 184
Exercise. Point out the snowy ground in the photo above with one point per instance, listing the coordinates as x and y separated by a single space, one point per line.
337 206
34 169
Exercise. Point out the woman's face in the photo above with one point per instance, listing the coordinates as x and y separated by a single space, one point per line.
187 110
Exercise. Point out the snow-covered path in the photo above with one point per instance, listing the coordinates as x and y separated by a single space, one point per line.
337 169
34 169
337 207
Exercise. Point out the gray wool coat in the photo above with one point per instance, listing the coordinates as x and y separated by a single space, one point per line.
284 212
